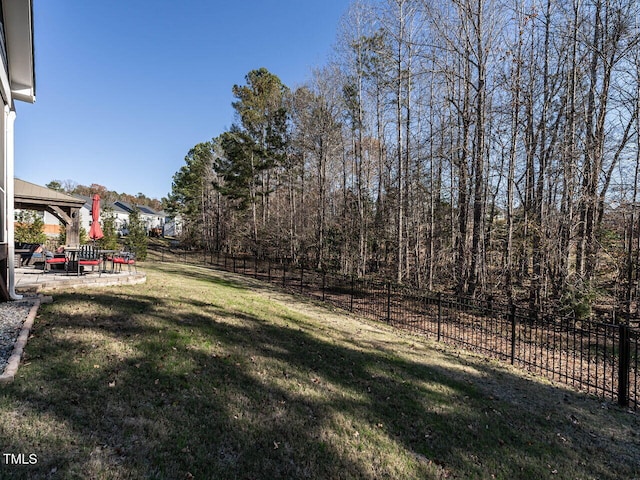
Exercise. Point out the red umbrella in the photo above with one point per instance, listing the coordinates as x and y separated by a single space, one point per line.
95 232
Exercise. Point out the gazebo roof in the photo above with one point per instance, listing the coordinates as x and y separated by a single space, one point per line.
30 196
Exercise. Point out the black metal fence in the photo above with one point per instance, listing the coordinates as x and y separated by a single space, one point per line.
595 357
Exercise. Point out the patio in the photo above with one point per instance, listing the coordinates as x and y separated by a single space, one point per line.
30 279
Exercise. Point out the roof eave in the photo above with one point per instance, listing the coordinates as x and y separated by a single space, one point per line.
18 25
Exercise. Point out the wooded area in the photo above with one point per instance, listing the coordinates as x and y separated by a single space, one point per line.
481 147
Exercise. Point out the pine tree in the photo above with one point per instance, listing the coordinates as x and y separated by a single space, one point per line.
137 239
191 195
110 239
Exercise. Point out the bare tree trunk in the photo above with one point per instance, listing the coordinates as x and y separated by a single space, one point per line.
399 144
479 199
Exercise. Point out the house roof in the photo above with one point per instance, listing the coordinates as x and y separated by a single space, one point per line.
30 196
123 205
113 206
87 200
18 30
118 209
147 210
127 207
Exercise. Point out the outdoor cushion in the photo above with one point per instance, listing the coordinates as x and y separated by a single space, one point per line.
56 260
123 260
89 262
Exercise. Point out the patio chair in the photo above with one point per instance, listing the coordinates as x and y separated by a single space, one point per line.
88 256
125 258
57 259
30 253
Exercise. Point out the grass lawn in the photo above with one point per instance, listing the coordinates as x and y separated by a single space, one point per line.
200 374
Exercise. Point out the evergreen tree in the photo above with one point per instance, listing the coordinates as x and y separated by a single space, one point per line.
239 168
55 185
137 239
253 150
29 228
110 239
191 194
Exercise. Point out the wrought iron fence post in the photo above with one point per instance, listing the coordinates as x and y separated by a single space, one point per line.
512 319
269 269
284 272
439 316
351 301
244 265
234 264
301 276
624 364
255 266
388 302
324 280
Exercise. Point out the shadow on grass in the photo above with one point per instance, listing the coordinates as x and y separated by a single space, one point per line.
206 274
131 386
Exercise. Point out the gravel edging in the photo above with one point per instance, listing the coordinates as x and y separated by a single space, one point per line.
15 316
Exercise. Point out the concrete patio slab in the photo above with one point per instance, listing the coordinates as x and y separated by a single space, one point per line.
35 280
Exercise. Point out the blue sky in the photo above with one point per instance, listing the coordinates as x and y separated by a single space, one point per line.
125 88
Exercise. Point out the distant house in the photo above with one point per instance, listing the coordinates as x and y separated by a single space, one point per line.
17 82
52 227
153 221
85 212
120 210
121 219
150 218
121 216
172 226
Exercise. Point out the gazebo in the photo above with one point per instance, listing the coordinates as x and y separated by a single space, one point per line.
29 196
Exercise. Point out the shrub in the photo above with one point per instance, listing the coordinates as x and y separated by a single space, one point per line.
29 228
